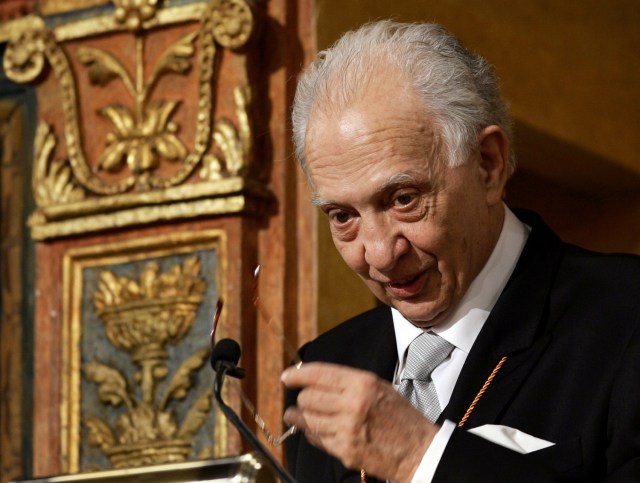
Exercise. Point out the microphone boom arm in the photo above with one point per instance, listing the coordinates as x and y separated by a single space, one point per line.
244 430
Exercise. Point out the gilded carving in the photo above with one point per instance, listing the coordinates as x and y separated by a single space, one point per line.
232 22
142 317
25 62
24 58
232 202
137 318
236 145
52 178
211 168
145 133
143 152
132 13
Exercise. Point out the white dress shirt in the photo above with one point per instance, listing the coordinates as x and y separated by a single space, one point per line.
461 329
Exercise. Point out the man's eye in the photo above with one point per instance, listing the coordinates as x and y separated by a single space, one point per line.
341 216
404 199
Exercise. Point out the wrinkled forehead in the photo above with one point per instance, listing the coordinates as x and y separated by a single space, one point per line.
389 116
369 142
380 97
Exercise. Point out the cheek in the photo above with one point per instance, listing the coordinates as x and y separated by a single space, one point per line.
438 246
427 238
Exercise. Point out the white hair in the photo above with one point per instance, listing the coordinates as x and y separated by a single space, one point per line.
459 89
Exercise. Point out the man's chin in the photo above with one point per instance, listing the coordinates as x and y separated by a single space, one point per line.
423 314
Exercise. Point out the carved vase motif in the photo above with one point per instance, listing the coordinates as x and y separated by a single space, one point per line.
142 317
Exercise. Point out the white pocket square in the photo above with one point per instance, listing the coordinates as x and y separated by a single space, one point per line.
510 438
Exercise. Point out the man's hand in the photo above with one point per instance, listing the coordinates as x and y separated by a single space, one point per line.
359 418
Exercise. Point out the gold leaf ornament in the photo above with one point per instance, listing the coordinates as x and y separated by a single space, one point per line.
103 67
142 315
166 425
236 145
113 290
142 424
140 143
117 144
233 22
24 58
211 168
149 280
121 118
181 381
133 13
177 58
52 178
225 138
112 386
191 266
196 416
162 132
100 433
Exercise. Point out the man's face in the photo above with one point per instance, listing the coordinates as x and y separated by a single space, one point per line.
416 231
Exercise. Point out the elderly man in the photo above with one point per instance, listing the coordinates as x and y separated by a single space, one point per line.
500 353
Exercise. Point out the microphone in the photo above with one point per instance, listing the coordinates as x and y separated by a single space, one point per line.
224 360
226 354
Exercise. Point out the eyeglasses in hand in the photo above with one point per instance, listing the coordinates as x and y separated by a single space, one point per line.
271 438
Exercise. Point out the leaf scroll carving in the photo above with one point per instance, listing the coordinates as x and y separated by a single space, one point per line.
176 58
197 415
181 381
103 67
100 433
112 386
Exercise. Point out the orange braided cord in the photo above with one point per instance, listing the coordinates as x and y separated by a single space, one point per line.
482 391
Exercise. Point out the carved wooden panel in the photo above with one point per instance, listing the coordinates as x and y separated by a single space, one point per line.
129 120
162 176
137 326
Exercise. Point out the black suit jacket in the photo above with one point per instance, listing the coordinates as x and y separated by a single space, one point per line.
569 323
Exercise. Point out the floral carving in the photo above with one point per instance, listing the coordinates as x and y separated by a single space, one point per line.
52 178
24 58
232 23
145 134
143 316
141 144
132 13
235 144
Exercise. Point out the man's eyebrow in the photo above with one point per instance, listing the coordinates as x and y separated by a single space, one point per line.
321 202
407 179
399 179
394 182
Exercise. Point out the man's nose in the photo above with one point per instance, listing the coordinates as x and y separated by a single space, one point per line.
383 243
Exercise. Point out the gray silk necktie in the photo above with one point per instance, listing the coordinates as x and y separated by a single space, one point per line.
425 353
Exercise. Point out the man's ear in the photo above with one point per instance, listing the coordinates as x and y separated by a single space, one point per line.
494 161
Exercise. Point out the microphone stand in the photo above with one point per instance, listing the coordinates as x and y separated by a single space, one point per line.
244 430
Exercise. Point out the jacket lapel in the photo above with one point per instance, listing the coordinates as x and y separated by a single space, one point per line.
516 328
381 354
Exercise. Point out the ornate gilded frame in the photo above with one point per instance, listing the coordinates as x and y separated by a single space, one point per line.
148 171
77 264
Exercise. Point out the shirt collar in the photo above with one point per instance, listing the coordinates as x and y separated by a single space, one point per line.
463 325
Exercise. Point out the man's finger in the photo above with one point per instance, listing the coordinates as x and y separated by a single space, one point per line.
324 374
319 426
320 400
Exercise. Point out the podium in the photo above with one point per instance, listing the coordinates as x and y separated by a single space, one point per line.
245 468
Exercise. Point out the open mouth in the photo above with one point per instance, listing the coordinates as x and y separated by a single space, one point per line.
403 283
408 287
